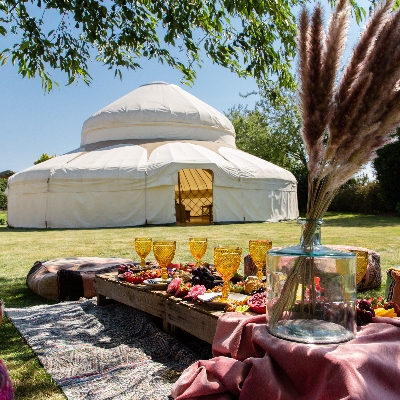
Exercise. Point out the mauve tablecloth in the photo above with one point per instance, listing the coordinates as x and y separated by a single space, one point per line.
251 364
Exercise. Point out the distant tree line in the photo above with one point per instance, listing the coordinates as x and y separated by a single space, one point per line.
3 197
272 132
3 185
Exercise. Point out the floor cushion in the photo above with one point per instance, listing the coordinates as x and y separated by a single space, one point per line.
372 278
69 278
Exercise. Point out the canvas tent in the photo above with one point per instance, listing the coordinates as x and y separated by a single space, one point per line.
156 156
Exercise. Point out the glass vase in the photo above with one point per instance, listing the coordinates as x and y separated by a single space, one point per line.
311 290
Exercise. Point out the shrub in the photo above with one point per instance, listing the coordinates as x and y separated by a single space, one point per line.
3 197
387 167
359 197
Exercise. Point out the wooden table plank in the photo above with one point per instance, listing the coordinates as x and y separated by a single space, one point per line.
192 318
199 320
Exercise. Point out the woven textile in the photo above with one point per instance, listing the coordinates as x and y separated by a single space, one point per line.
98 353
393 284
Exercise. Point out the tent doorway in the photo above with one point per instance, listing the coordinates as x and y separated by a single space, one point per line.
193 196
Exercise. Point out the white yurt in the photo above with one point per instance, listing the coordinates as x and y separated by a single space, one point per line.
158 155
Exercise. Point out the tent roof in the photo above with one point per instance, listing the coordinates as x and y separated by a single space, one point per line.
117 160
158 111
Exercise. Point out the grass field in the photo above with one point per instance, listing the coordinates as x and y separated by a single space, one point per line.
20 248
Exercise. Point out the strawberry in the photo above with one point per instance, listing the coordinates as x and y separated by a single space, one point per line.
183 289
133 278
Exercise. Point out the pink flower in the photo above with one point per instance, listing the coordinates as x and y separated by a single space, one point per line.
196 291
174 285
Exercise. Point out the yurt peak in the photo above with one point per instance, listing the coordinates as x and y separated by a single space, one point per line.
155 83
158 110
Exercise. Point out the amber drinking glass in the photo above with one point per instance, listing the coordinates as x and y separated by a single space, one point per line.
143 248
258 252
198 247
227 262
164 252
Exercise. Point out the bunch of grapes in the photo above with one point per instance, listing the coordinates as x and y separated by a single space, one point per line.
203 276
365 312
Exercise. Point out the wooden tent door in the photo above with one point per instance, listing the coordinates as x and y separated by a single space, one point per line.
193 196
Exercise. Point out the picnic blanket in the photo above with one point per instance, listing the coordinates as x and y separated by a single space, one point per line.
250 364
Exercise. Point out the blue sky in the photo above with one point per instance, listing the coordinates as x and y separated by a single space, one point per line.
33 123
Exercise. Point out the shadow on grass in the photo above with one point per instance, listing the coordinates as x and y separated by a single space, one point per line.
16 294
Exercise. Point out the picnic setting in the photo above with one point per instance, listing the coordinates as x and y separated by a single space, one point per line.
159 261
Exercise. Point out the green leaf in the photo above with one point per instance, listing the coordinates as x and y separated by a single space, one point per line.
24 45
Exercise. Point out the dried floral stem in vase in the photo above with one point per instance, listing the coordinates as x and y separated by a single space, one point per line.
343 122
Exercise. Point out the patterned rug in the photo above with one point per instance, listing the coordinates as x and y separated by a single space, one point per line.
111 352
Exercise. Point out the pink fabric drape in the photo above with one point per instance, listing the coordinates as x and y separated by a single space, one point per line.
6 390
251 364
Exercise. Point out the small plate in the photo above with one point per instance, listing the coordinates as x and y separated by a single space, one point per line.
157 283
208 298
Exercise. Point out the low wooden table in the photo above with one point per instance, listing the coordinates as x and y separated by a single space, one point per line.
200 320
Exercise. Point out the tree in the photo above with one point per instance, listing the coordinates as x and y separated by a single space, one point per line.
248 37
272 132
3 197
43 157
387 167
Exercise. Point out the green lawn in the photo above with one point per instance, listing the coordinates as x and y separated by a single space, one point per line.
20 248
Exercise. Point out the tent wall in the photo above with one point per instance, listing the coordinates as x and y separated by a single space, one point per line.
123 185
239 205
160 205
154 205
27 210
92 209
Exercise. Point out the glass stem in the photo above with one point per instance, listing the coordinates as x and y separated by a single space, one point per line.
164 273
225 290
259 272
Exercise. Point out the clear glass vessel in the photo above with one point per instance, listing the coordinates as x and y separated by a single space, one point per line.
311 290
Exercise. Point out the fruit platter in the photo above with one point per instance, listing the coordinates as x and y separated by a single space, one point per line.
200 284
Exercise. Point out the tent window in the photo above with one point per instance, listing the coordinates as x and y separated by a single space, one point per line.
193 196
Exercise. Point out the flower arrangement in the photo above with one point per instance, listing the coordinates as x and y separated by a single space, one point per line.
344 121
196 291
